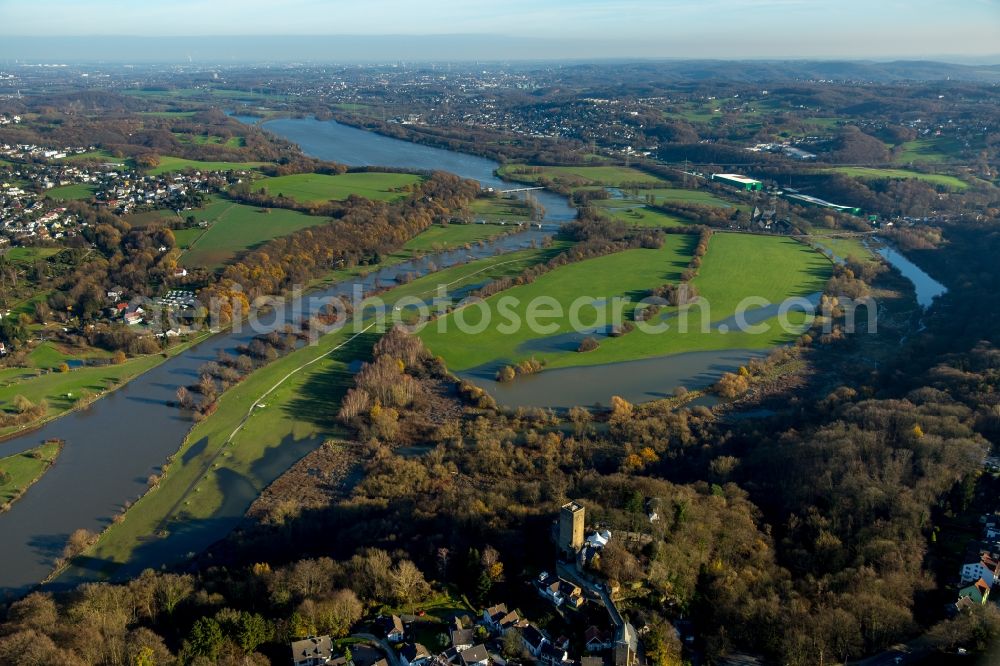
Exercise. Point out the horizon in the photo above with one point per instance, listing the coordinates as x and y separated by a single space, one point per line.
520 30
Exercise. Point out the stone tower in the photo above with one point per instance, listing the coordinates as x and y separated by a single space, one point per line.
571 517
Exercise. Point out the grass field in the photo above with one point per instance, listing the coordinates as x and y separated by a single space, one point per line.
75 192
28 255
610 176
65 390
320 188
683 196
736 266
641 216
501 210
169 163
211 140
931 150
870 174
843 247
99 155
167 114
235 228
438 237
19 472
214 475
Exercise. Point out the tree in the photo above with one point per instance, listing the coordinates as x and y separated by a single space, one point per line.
78 541
172 589
205 639
513 646
335 616
408 584
251 630
35 611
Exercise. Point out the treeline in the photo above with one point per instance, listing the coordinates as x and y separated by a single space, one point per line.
232 618
362 232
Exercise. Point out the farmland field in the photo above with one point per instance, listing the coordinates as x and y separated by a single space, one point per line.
320 188
736 266
870 173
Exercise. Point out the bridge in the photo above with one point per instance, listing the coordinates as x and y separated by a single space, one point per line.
521 189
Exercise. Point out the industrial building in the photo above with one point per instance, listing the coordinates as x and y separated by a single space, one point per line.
808 200
738 181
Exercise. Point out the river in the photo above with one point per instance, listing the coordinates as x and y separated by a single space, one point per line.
114 445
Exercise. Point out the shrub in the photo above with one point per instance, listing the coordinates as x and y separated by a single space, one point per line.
588 344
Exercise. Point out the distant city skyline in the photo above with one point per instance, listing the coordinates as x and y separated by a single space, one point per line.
851 29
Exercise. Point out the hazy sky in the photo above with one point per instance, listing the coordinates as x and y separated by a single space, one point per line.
671 28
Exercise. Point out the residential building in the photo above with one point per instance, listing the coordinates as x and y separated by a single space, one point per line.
313 651
392 628
474 656
414 654
493 615
596 639
986 568
979 592
552 655
462 639
534 640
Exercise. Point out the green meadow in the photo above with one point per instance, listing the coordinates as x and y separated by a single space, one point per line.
438 238
319 188
867 173
169 163
235 228
211 140
500 209
736 266
65 390
641 216
75 192
19 472
929 150
684 196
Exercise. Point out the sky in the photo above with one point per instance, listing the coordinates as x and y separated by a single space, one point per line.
853 29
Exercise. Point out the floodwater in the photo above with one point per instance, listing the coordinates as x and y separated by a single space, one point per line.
927 288
635 381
